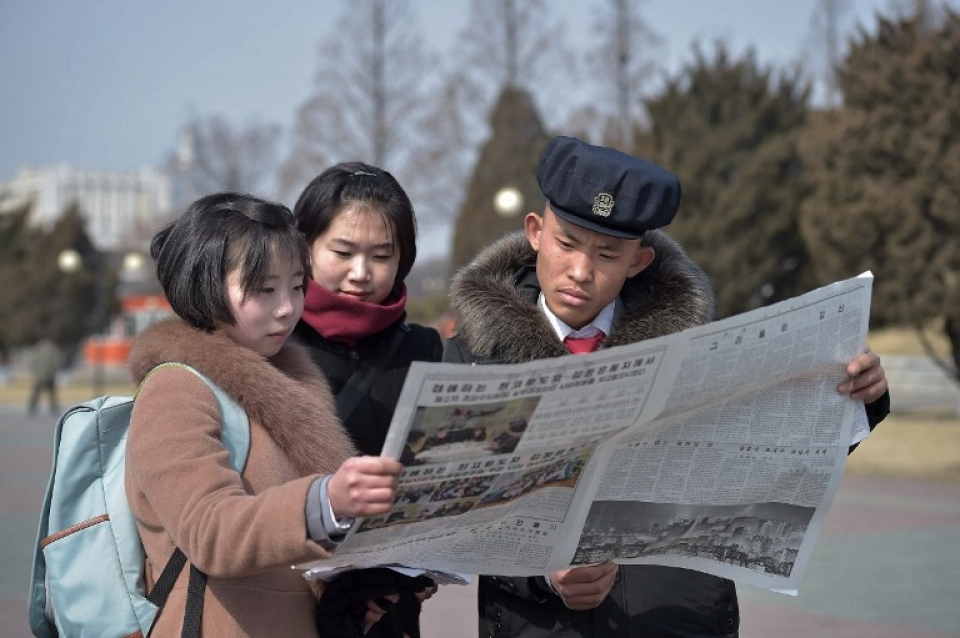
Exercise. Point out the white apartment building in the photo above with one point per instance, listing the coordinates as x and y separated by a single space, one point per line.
117 205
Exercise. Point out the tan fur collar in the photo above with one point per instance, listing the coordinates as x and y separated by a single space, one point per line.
287 394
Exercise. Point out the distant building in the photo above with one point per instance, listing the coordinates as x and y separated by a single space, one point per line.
117 205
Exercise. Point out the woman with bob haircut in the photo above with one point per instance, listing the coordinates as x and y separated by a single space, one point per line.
234 269
362 231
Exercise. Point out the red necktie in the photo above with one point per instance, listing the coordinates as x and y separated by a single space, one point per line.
583 345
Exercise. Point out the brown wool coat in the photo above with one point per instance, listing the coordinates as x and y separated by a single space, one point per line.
245 531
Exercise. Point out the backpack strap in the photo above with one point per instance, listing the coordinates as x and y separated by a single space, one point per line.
194 606
193 610
164 585
236 438
362 379
233 418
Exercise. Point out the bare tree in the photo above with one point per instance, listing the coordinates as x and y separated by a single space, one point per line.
623 64
439 167
508 44
369 98
588 122
215 155
827 44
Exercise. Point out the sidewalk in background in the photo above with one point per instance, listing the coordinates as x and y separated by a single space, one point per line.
72 388
919 386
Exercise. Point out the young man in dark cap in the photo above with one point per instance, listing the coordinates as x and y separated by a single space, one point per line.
593 271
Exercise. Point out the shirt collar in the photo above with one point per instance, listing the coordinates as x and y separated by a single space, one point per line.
602 322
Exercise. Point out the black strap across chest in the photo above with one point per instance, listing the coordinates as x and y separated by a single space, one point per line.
360 382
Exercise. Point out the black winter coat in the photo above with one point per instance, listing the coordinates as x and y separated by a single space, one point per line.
500 289
494 303
370 421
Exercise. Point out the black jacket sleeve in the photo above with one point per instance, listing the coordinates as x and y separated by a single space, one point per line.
876 412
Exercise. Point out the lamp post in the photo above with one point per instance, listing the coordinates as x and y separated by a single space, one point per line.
132 266
508 201
70 261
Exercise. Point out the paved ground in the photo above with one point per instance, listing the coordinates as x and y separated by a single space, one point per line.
887 564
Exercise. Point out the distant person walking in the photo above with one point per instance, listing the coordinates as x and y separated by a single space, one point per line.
44 368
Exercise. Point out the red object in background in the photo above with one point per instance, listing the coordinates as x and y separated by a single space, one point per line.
136 313
106 350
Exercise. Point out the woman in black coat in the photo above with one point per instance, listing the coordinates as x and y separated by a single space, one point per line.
361 229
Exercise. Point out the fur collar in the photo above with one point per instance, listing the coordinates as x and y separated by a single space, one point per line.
494 319
286 394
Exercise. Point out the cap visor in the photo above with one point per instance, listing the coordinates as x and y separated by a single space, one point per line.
589 224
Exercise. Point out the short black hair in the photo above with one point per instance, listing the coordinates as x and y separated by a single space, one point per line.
368 186
216 235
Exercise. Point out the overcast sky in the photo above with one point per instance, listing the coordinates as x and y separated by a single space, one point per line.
106 84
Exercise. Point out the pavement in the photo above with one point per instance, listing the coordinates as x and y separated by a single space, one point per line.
886 565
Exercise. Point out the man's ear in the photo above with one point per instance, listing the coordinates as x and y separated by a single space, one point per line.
533 227
643 258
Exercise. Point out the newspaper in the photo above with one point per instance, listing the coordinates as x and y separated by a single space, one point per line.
719 449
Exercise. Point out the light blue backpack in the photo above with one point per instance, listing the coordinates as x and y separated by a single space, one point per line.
88 566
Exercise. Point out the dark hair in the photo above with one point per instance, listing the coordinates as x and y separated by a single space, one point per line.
217 234
371 187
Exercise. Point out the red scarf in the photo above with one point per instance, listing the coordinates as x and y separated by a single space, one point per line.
348 320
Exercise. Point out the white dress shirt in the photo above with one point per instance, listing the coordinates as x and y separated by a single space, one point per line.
602 322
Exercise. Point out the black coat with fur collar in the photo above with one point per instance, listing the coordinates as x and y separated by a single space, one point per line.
494 304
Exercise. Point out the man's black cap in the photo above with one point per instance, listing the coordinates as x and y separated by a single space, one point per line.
607 191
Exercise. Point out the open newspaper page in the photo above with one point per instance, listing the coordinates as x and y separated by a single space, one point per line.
736 474
718 449
497 460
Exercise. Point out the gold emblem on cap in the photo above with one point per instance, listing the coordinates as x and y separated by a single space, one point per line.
603 204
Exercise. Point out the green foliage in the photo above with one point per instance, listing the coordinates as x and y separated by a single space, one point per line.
37 299
64 306
508 158
428 310
16 241
729 129
886 166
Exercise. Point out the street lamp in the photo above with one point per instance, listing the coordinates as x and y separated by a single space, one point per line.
132 267
70 261
508 201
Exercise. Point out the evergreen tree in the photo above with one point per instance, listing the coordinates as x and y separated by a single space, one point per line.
508 159
16 242
728 129
66 307
885 169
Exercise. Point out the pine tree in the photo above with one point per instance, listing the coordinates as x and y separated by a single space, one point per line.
16 242
886 194
728 129
508 159
67 307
